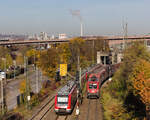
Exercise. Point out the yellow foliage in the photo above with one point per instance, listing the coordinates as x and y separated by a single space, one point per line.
48 61
23 86
19 60
141 80
31 52
64 53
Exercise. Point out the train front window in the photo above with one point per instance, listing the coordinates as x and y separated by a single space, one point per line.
93 78
63 99
92 86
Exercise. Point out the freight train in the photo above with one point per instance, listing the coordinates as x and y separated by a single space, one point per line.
98 77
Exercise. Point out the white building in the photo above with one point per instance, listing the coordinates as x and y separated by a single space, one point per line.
52 37
62 36
43 36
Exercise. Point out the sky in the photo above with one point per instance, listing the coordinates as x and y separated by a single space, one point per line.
100 17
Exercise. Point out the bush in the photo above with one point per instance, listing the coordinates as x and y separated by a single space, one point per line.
34 100
113 108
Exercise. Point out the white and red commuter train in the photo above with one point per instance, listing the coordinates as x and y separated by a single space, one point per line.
66 98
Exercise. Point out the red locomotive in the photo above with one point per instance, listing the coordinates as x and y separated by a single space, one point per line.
66 98
95 80
98 77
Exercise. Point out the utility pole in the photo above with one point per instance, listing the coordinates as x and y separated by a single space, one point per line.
5 82
78 66
41 77
81 34
27 85
125 34
105 52
93 51
5 70
80 78
78 85
2 95
14 69
34 63
37 80
24 66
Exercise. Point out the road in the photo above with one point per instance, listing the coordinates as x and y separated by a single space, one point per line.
12 89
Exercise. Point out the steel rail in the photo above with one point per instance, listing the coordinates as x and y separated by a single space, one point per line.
42 108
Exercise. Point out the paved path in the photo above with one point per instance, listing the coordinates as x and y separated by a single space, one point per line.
12 89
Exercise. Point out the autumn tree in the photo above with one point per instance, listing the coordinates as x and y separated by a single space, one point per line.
141 81
32 55
23 50
48 61
122 85
19 60
22 88
4 51
78 47
68 53
6 61
64 53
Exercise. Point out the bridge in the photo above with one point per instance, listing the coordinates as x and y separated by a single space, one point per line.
113 40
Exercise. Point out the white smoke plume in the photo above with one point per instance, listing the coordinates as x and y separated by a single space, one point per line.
76 13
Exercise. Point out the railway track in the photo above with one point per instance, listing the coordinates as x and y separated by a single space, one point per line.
92 111
61 117
42 112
